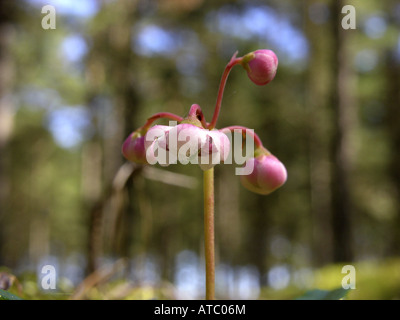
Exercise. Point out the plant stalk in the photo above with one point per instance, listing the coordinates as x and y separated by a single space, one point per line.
209 239
234 61
154 117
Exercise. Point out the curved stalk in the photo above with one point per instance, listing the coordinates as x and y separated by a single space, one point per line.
154 117
234 61
245 130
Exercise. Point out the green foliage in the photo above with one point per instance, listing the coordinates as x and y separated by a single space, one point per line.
336 294
375 280
4 295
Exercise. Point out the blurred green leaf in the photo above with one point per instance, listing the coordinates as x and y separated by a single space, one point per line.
317 294
4 295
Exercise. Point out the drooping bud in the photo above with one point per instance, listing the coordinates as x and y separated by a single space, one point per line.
170 144
215 150
261 66
189 140
156 145
268 174
133 148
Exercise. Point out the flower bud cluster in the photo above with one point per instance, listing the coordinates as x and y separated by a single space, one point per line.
186 143
195 141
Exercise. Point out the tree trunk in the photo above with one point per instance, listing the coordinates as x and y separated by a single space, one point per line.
344 115
392 73
318 113
110 68
6 107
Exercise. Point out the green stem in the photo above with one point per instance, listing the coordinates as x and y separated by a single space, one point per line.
209 239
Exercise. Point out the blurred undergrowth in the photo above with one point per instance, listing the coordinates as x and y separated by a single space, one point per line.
372 283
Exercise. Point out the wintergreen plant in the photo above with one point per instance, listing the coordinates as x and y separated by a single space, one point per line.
194 140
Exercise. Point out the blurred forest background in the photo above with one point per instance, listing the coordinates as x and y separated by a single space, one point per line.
70 96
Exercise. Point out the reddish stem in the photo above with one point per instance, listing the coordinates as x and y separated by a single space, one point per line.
245 130
234 61
159 115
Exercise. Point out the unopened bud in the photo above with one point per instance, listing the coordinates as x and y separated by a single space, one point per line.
133 148
261 66
268 174
215 150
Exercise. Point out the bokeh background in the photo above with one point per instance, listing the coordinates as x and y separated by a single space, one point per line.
70 96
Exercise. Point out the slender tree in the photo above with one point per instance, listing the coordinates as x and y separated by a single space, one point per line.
318 113
110 69
7 32
344 117
392 75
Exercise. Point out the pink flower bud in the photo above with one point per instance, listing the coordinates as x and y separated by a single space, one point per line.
215 150
262 68
186 139
170 144
133 148
268 174
156 145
